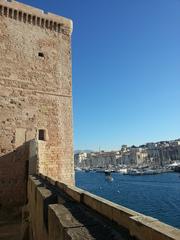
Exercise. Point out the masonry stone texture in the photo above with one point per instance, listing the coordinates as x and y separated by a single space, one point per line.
35 97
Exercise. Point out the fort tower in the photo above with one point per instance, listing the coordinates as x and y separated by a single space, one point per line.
35 97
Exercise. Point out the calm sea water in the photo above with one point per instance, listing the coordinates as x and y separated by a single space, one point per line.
156 195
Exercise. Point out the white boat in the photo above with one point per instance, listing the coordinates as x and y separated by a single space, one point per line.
122 170
78 169
133 172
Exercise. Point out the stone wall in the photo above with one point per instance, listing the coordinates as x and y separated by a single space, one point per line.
35 94
59 211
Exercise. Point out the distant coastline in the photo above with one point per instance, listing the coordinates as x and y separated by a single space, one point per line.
159 155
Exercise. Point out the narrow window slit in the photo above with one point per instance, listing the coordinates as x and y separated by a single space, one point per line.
41 135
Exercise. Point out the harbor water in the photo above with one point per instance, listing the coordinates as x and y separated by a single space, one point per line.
157 196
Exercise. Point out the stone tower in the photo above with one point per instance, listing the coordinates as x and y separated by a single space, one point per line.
35 97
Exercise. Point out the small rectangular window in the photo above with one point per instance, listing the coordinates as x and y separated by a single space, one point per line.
41 135
40 54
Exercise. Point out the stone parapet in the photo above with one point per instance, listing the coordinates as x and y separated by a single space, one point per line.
78 214
54 215
34 16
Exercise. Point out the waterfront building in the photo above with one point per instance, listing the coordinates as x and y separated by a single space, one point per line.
154 155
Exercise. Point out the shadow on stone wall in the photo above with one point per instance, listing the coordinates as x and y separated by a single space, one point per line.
14 169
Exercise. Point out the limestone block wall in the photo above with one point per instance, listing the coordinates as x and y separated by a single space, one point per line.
35 95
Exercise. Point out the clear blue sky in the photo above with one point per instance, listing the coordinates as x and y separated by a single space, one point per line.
126 70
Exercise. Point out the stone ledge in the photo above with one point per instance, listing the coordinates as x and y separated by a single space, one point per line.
76 224
144 227
75 193
138 225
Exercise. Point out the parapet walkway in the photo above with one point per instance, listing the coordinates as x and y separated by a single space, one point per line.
59 211
65 218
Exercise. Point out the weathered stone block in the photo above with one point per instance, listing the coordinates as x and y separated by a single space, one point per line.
143 227
61 186
75 193
44 198
122 215
60 218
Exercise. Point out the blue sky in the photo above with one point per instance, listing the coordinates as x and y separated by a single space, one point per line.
126 70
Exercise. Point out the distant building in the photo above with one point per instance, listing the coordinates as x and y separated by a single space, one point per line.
151 154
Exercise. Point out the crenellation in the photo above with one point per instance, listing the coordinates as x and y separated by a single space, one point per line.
35 16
